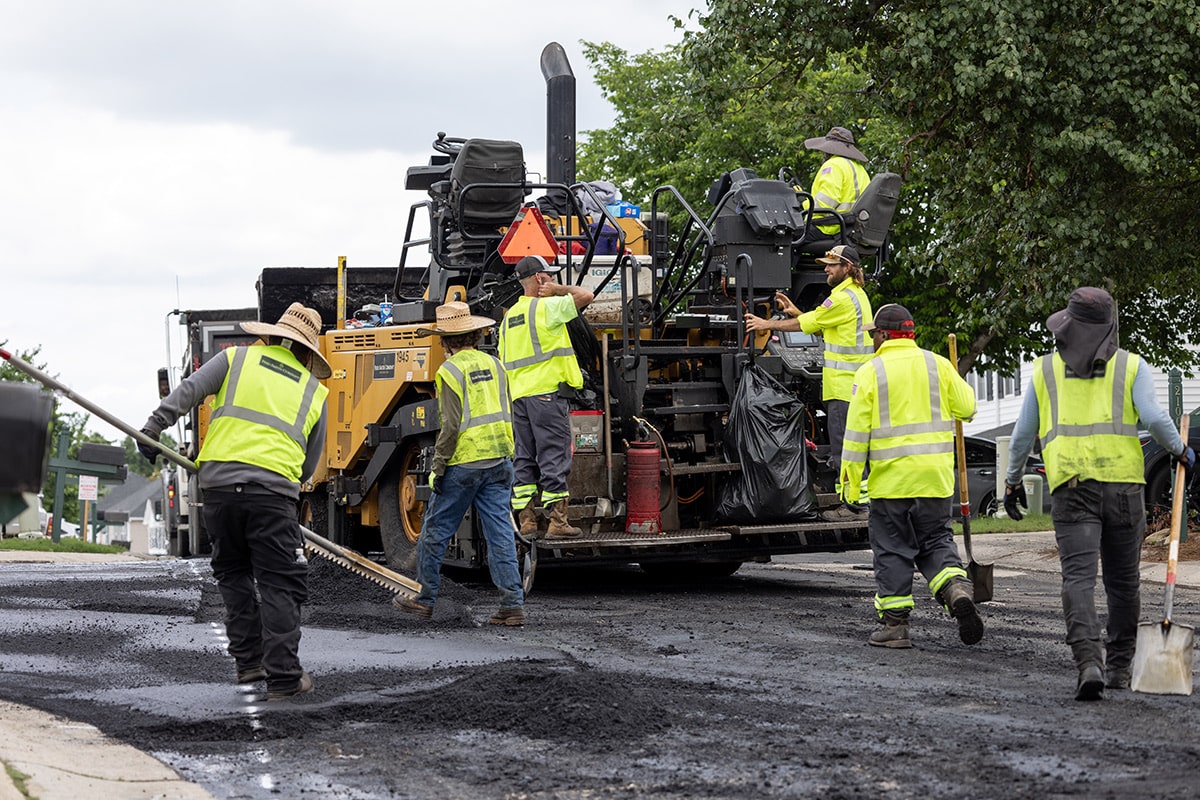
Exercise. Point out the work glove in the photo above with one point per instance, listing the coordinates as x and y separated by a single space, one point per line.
1187 457
1012 496
435 483
148 452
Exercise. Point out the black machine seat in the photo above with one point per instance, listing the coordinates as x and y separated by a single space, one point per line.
868 222
488 161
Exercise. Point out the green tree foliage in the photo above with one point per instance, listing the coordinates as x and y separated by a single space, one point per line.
1043 147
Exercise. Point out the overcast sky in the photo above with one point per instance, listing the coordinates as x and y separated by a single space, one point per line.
157 155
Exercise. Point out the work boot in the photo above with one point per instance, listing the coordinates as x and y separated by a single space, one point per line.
251 674
303 686
1091 683
529 522
894 632
513 617
959 598
1118 677
560 526
418 610
845 513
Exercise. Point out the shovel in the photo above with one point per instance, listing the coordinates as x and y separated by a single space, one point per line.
342 556
980 574
1162 662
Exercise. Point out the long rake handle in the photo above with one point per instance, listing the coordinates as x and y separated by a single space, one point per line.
51 383
1176 523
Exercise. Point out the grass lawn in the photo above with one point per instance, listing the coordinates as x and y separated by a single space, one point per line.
45 544
1031 522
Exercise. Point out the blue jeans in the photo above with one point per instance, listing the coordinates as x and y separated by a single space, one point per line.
489 490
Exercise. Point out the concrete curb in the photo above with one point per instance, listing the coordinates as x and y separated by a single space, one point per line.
64 759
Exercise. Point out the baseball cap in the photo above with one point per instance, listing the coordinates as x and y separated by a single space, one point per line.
836 254
532 265
892 317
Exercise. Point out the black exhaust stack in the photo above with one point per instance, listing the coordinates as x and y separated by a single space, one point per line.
560 120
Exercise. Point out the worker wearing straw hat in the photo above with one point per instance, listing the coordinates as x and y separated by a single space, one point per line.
266 436
472 465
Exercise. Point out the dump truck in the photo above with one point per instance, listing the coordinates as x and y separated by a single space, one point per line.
672 468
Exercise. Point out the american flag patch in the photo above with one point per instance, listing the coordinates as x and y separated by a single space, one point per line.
854 390
828 302
827 170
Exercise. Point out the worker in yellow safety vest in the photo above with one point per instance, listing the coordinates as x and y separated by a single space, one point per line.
266 435
901 426
841 320
472 465
535 347
1083 403
839 182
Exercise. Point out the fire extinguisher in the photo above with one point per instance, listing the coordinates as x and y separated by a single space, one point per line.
642 459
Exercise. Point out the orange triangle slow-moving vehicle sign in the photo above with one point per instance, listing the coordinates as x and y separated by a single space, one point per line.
529 235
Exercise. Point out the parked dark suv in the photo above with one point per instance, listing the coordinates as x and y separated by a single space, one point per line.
1160 471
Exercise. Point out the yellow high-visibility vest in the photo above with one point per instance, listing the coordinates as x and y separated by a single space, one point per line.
1088 426
264 411
838 184
901 423
839 319
538 356
486 428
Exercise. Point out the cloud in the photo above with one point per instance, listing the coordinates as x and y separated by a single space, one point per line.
158 155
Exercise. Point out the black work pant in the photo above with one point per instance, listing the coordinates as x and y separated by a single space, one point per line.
542 434
257 553
1106 522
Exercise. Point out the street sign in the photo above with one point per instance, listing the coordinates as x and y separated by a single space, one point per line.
89 487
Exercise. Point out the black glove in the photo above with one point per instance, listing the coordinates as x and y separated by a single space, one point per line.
148 452
1187 457
435 483
1012 496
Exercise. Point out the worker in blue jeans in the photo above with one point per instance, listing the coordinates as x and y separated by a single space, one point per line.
472 465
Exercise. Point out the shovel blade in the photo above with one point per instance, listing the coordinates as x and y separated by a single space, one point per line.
981 579
1162 662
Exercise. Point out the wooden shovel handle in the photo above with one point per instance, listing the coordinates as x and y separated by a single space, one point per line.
960 446
1177 520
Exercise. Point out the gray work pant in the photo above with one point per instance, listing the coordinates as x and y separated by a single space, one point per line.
835 423
1105 521
542 435
906 533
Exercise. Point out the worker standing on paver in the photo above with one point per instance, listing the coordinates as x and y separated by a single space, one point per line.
472 465
901 425
841 320
535 347
266 435
1083 404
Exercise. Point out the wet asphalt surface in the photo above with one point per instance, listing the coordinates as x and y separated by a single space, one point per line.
759 685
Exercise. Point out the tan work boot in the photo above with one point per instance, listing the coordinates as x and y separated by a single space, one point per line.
894 632
560 526
529 522
959 598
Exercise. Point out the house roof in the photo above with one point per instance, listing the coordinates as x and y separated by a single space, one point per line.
132 495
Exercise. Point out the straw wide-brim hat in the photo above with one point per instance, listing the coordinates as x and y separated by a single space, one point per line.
838 142
299 324
454 318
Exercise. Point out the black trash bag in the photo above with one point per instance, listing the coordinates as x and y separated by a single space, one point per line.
766 435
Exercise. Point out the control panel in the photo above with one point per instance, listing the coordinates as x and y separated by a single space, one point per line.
803 354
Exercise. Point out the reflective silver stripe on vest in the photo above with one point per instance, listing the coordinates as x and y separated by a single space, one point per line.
538 356
860 349
294 430
1116 426
468 419
886 429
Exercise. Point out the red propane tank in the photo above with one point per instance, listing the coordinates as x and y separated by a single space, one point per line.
642 488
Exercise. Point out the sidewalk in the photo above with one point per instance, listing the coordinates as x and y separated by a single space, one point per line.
64 760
